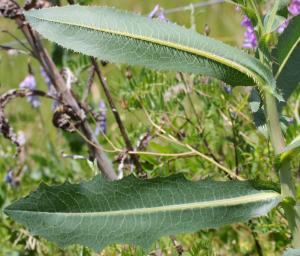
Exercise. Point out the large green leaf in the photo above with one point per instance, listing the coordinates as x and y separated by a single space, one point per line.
292 252
98 213
287 59
286 70
123 37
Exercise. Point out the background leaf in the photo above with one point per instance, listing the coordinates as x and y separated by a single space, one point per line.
98 213
287 59
286 70
122 37
283 4
275 23
291 148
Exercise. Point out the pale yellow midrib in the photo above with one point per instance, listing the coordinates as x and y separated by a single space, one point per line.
254 198
256 78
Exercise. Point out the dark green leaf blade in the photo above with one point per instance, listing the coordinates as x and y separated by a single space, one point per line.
98 213
286 70
122 37
287 59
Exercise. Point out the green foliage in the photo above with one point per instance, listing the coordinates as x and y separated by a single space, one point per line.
128 38
194 110
286 62
292 147
98 213
274 24
287 59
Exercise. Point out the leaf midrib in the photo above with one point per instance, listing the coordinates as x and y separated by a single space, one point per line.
169 208
234 65
287 58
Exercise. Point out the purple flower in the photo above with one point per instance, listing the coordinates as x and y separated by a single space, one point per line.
9 179
34 101
101 119
294 7
162 16
158 13
154 12
30 83
250 39
291 120
246 22
283 26
51 90
46 77
227 88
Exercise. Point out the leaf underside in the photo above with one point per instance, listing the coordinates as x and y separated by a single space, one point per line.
131 211
122 37
292 252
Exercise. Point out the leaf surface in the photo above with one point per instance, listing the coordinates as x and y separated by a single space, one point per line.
293 145
123 37
291 148
286 70
292 252
287 59
131 211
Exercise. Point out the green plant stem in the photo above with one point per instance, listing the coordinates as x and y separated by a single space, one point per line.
257 13
286 177
117 116
276 135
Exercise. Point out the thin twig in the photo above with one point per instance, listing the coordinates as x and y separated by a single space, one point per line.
88 85
174 140
134 152
189 97
235 143
197 5
197 118
40 53
9 48
5 127
296 110
15 93
178 246
18 40
113 107
258 247
74 157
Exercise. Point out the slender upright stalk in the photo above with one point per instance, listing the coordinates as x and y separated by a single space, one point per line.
286 177
41 54
113 107
287 184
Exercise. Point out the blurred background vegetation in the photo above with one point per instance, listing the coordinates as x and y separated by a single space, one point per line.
206 114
